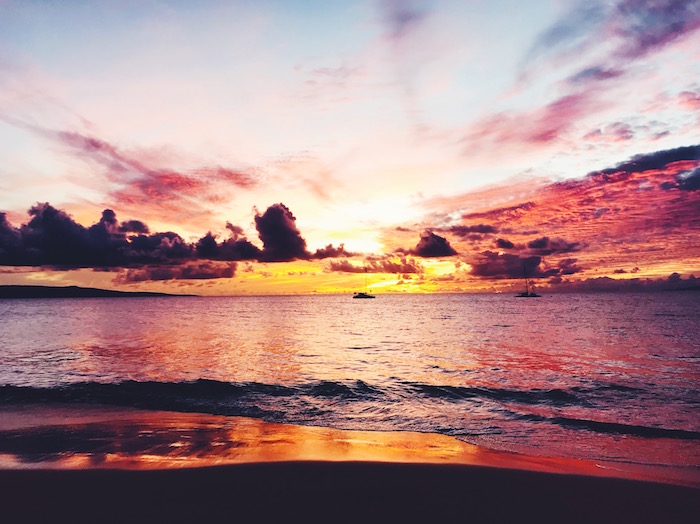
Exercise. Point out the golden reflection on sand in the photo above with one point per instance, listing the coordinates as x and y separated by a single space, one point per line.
134 439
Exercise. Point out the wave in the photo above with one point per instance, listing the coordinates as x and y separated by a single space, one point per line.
615 428
138 393
202 394
533 396
575 396
334 402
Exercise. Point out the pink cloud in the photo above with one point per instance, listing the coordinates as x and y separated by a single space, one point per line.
690 100
608 39
615 132
539 127
145 184
639 213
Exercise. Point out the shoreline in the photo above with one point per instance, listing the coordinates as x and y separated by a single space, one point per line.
111 464
88 436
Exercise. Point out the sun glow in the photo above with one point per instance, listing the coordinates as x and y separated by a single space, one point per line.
372 151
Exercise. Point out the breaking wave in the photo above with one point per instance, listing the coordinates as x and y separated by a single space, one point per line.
331 402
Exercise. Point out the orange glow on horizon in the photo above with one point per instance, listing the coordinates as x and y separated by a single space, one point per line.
620 226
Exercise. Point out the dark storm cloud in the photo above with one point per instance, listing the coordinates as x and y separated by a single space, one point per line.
489 264
687 181
191 271
504 244
431 245
568 266
494 265
690 181
463 231
235 230
673 282
345 266
645 162
53 239
548 246
157 248
282 240
233 248
133 226
403 266
538 243
10 237
332 252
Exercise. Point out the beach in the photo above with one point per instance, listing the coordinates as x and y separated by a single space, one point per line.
183 467
193 194
337 492
440 408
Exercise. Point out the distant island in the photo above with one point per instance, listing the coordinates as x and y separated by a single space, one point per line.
73 292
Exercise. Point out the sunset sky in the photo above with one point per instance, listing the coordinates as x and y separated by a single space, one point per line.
246 147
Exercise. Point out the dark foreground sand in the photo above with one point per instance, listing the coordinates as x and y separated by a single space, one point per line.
336 492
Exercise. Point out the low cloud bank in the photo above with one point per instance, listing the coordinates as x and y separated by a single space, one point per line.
52 239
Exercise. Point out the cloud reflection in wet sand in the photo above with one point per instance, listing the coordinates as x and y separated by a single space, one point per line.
79 437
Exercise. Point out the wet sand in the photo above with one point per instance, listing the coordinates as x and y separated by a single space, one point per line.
89 464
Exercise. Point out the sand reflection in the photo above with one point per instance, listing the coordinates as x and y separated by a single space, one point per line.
86 437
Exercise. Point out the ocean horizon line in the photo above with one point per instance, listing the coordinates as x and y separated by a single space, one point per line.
12 291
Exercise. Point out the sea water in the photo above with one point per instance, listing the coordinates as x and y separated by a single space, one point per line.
610 377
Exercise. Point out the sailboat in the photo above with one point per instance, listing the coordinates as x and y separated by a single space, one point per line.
363 294
529 290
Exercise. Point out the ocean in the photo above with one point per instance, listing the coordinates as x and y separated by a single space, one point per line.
610 377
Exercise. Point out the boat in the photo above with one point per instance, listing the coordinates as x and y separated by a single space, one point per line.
529 290
363 294
527 294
